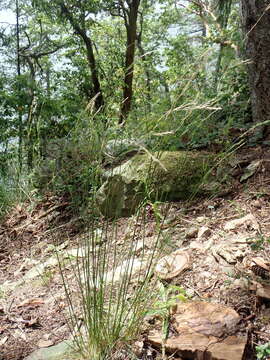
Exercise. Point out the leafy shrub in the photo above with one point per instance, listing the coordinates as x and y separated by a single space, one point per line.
71 165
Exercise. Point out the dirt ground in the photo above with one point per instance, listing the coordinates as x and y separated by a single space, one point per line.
33 308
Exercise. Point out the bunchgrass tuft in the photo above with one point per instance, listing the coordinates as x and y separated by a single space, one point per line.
111 287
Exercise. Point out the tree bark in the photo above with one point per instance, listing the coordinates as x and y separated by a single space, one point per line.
131 16
256 26
99 100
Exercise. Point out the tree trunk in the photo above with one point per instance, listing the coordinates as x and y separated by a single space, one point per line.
146 70
20 119
131 29
30 133
147 75
256 25
99 100
218 66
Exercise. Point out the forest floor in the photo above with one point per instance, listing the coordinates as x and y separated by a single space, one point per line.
32 298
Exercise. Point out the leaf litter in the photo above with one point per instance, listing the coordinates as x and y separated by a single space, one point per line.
221 270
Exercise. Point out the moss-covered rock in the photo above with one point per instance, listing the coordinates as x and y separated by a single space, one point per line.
161 176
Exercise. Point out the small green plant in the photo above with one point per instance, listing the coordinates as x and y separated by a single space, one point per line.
47 276
169 296
157 212
263 351
227 282
258 243
259 194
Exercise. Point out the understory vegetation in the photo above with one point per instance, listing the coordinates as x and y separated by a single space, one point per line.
188 86
85 85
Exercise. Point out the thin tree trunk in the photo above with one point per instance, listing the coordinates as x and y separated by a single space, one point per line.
48 81
99 100
218 66
147 75
19 87
31 114
131 29
256 26
147 72
166 88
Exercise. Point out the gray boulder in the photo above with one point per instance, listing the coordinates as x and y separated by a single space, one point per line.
161 176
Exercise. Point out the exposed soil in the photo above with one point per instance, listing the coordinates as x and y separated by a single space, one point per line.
32 314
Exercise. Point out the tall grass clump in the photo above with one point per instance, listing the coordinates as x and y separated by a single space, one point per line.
111 289
14 187
4 198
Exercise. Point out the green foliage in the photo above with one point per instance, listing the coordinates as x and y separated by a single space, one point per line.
233 96
174 81
72 165
178 103
4 199
263 351
169 296
259 242
14 188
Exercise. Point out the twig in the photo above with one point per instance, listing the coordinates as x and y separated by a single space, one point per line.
10 305
51 210
192 288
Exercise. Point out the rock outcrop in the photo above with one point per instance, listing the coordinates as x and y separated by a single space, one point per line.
159 176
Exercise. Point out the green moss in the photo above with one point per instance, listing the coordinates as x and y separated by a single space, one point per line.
173 175
165 176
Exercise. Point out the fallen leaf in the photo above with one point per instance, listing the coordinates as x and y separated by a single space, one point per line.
19 334
172 265
203 232
261 262
31 302
263 291
2 341
45 343
138 347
